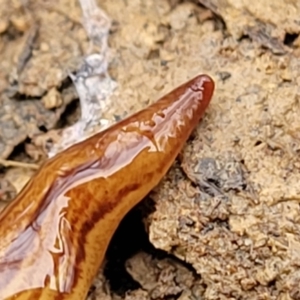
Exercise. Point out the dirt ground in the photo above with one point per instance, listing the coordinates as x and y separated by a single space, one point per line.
225 221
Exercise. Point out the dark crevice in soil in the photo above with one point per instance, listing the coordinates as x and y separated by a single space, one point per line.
290 38
130 238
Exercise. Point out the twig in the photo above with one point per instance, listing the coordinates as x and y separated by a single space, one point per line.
12 163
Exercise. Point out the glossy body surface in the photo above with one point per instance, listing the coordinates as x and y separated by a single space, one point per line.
54 235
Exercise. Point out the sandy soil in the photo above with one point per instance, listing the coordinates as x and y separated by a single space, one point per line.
224 223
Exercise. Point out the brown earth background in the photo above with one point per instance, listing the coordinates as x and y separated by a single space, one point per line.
225 221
